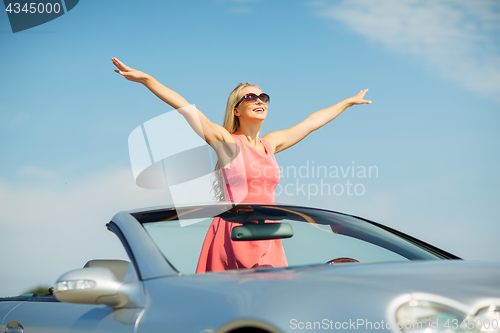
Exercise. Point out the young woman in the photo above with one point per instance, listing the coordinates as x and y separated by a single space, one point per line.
248 170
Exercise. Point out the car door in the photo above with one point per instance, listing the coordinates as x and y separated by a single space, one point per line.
50 315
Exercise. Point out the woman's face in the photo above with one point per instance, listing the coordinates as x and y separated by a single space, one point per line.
251 111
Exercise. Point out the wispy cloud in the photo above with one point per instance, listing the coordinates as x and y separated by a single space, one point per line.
456 38
55 227
38 173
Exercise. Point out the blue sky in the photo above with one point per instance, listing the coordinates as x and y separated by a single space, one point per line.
432 67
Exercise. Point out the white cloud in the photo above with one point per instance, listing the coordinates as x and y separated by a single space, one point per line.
52 227
458 39
37 173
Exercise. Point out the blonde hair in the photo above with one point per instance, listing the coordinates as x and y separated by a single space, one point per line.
231 123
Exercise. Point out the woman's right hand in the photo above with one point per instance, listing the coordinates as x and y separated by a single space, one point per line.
129 73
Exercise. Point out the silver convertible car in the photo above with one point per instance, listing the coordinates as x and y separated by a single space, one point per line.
343 273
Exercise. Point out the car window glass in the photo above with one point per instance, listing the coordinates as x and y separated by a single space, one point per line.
180 245
311 244
318 244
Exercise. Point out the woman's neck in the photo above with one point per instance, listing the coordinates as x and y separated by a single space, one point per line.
250 132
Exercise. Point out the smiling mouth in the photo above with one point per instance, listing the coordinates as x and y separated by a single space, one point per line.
258 110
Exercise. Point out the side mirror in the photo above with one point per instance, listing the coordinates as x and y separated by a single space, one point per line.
94 285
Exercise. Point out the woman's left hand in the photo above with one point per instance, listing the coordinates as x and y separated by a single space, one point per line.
359 98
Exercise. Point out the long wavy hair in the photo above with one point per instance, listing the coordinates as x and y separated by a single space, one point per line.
231 123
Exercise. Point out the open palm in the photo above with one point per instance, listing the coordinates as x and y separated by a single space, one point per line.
128 72
359 98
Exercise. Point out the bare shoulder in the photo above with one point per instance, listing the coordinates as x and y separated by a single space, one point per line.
223 135
225 147
273 139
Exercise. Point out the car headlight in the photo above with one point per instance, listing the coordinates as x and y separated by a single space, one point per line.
487 319
425 316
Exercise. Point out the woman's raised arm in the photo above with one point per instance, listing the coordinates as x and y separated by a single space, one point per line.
281 140
208 131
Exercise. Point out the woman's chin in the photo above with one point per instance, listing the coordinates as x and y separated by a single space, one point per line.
260 115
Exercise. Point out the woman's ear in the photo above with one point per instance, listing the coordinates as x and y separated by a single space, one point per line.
236 113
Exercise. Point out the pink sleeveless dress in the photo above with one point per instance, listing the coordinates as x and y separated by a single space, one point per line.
252 177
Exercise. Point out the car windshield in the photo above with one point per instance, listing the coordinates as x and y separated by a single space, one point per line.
307 236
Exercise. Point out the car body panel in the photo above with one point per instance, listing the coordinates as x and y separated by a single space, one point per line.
341 294
45 317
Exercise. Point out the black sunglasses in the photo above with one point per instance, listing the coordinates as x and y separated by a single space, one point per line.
251 97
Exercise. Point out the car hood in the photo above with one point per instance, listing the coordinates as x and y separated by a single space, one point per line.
444 277
340 292
460 279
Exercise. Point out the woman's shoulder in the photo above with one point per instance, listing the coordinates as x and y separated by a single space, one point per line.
268 140
237 138
266 144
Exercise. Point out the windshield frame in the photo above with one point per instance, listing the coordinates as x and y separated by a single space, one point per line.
278 212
